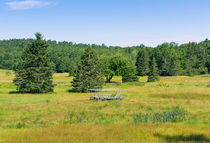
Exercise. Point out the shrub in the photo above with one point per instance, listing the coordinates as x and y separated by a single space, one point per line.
20 125
163 84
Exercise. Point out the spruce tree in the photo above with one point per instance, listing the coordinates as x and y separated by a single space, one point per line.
34 72
153 71
142 63
88 74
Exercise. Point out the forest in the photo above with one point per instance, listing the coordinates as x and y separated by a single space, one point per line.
172 59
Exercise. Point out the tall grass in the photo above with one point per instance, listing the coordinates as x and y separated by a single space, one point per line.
174 115
117 133
147 109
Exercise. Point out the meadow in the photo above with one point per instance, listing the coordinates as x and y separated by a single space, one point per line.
175 109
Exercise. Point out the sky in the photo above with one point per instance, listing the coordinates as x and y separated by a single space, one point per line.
112 22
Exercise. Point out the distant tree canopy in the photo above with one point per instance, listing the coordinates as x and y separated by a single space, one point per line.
34 71
172 59
88 74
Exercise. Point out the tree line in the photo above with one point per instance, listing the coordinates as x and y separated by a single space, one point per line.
172 59
34 72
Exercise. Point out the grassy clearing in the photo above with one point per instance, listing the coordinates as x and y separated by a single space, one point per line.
64 116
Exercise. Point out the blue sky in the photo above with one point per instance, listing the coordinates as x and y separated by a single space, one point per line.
112 22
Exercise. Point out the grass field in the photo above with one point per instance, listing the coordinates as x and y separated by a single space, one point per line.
176 109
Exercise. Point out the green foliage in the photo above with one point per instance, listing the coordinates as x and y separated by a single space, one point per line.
118 66
162 84
72 68
88 74
174 66
129 75
167 60
20 125
106 68
174 115
142 63
172 59
153 73
34 72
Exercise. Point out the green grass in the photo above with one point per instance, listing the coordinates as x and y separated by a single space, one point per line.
65 116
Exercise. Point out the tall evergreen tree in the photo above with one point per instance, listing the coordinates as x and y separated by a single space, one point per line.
34 72
88 74
153 73
142 63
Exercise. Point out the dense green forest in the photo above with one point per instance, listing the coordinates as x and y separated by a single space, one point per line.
172 59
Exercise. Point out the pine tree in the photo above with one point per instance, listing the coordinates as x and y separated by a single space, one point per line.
142 63
88 74
153 73
34 72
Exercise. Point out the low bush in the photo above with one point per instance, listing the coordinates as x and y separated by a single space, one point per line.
20 125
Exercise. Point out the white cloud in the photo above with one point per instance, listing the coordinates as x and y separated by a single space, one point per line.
28 4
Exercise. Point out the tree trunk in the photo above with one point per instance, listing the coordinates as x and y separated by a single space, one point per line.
108 79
